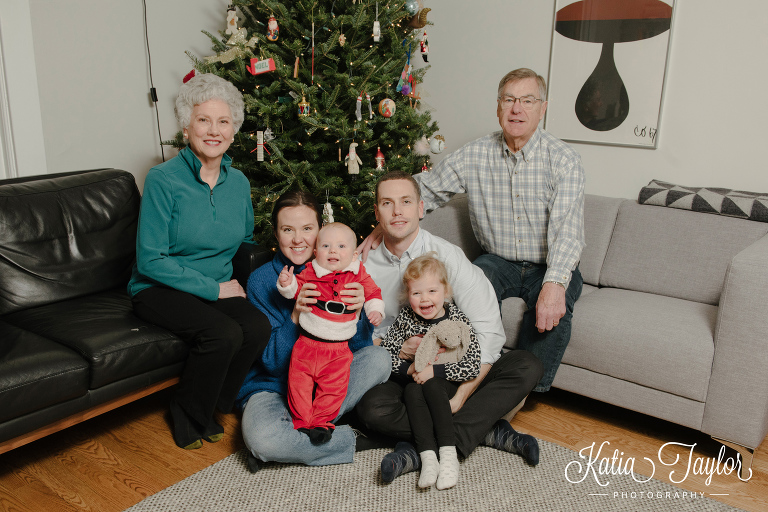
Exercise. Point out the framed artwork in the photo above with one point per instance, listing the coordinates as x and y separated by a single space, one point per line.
606 70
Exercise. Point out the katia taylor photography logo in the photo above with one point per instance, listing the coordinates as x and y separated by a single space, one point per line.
605 462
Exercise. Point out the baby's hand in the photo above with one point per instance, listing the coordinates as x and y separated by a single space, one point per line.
375 318
286 276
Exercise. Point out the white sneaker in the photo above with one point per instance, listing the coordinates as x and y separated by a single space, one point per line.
449 468
430 468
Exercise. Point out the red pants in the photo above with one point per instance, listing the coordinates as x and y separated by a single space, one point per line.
325 365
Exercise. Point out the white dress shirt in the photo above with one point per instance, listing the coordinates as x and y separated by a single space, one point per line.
472 292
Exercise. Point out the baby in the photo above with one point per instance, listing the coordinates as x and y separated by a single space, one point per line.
321 357
427 395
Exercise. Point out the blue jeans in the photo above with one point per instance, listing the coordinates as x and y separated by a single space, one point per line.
268 428
524 280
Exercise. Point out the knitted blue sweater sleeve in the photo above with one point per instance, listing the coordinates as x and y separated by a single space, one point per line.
262 292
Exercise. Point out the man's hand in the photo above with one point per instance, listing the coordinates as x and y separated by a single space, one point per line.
353 296
285 277
424 375
370 243
550 307
304 301
231 289
408 350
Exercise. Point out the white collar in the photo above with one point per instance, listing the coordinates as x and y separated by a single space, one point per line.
353 267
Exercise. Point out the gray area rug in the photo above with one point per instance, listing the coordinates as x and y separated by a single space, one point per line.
490 480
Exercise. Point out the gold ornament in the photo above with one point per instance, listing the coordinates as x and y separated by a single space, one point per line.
420 20
303 107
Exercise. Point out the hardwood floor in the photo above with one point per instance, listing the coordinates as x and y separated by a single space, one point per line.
115 460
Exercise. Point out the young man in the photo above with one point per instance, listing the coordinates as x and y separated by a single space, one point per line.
504 380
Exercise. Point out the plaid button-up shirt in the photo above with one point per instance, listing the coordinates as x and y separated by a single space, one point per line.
525 206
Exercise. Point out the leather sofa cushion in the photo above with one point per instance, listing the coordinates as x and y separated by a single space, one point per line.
652 249
104 331
70 235
36 373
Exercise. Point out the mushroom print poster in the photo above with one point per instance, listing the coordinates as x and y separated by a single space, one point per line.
607 68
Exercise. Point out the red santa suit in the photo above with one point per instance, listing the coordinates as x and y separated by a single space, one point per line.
321 355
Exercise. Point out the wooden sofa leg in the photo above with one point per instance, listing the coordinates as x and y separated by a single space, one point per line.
746 457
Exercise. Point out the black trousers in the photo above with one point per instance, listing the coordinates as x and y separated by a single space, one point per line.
225 337
429 413
509 380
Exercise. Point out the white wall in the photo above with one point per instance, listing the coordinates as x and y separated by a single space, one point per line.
93 80
21 87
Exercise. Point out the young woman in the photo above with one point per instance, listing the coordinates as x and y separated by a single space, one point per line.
267 425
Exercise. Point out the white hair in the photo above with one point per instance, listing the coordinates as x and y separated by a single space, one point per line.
205 87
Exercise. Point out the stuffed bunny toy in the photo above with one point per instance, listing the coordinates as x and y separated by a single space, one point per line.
452 335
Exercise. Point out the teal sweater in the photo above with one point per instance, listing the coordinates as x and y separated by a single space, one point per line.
189 233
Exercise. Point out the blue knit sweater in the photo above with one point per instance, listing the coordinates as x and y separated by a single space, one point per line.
189 233
271 372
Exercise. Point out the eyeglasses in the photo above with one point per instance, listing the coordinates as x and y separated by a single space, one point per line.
527 102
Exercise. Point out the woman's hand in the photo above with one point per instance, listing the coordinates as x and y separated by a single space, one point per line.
231 289
424 375
353 296
304 301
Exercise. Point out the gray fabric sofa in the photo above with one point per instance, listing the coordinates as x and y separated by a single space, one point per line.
671 322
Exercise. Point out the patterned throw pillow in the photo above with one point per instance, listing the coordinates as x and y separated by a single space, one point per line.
721 201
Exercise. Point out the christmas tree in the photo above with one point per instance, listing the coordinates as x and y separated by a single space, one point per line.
318 77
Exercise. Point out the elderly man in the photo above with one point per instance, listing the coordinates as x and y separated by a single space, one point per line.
526 205
504 380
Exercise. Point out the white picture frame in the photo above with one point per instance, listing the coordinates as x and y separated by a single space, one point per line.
586 104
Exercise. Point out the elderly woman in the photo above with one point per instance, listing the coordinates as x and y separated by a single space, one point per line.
196 210
267 426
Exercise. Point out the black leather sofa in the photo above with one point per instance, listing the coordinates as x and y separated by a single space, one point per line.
70 346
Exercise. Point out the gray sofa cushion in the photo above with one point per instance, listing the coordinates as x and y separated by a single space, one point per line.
599 219
451 222
654 249
658 342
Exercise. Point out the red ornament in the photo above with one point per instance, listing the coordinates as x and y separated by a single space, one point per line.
189 76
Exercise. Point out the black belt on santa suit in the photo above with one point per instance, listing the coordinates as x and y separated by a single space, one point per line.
334 307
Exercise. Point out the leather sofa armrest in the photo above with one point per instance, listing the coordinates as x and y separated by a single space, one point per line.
248 258
737 400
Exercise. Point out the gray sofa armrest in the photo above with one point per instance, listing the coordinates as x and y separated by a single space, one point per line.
248 258
737 400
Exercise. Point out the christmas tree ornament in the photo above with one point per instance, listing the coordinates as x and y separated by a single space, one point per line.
303 107
406 77
437 144
424 167
268 135
353 161
359 106
379 159
387 107
376 26
273 31
231 20
420 20
424 46
412 7
259 146
258 67
189 76
421 146
342 40
296 68
327 212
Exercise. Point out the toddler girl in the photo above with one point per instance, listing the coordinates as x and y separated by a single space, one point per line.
425 283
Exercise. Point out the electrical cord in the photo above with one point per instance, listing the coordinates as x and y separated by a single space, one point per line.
152 90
